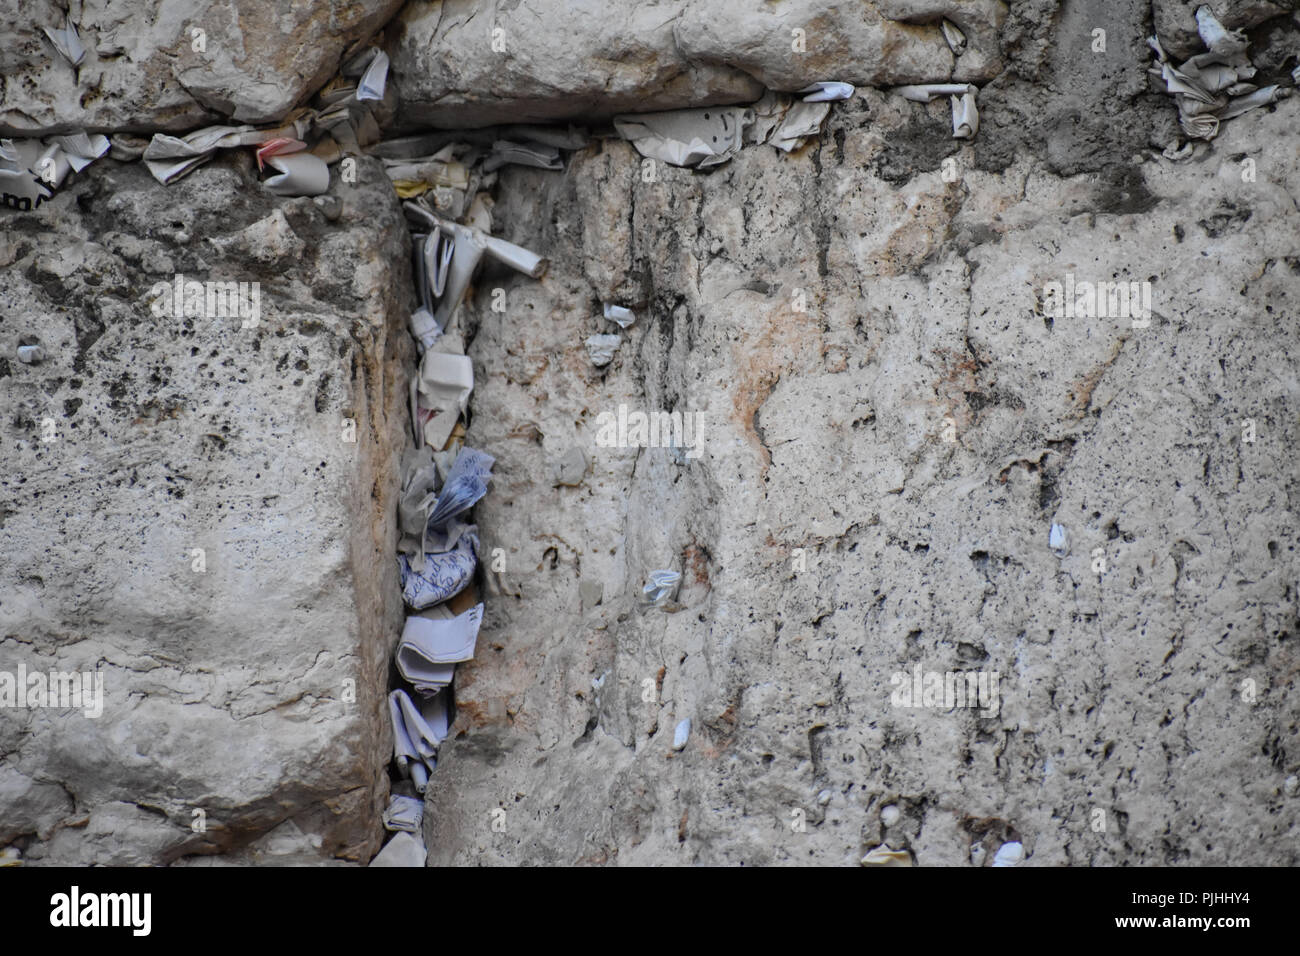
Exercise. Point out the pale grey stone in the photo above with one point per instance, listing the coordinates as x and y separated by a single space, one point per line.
146 67
459 66
199 527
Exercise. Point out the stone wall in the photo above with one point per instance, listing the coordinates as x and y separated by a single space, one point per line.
227 673
830 537
891 419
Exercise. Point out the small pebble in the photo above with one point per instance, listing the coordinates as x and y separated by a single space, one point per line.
1058 540
824 798
31 354
1292 784
890 815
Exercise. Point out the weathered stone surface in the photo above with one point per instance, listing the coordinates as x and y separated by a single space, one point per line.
825 431
1175 20
459 65
889 420
142 69
225 690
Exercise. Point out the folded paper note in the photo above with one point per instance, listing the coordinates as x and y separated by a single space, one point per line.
662 586
67 41
403 813
504 152
1211 87
403 850
953 36
300 174
965 114
601 348
801 121
430 646
171 157
768 113
469 246
374 79
30 171
825 91
696 138
443 574
417 732
81 150
616 313
419 490
445 384
277 147
466 483
439 252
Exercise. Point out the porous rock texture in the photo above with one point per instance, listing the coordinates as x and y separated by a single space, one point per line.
829 537
891 422
162 64
465 63
245 681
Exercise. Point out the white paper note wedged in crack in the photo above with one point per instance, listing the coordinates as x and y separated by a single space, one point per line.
801 121
661 586
445 384
1213 86
601 348
443 574
67 41
82 149
419 482
417 732
429 646
403 813
424 328
623 317
171 157
434 677
373 81
538 155
953 36
466 483
300 174
437 170
31 171
696 138
439 250
404 850
965 114
470 245
827 90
